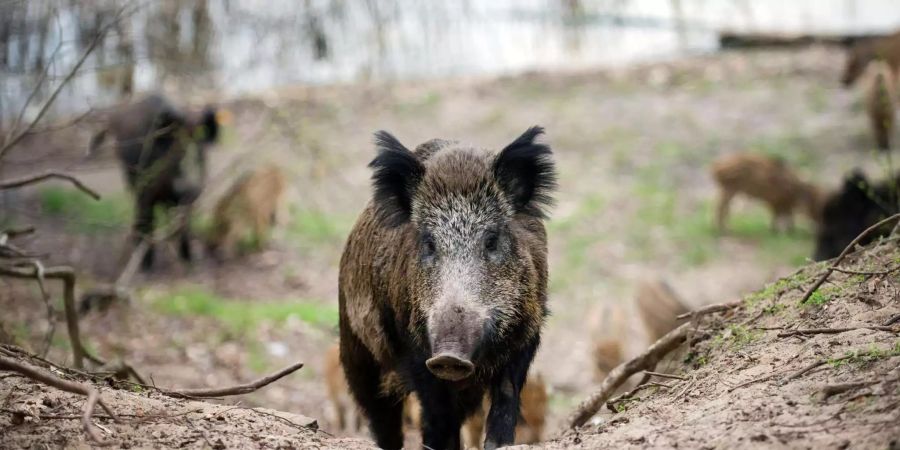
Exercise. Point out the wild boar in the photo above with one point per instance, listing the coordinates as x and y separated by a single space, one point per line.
607 355
881 103
250 208
443 285
860 54
849 211
338 391
530 426
162 151
768 179
658 306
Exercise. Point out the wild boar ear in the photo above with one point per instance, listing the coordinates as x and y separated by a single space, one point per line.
397 173
526 172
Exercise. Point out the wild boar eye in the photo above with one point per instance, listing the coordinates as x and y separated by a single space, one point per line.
428 247
491 241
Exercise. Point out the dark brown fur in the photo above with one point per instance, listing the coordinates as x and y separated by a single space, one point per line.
859 56
767 179
162 150
530 430
398 308
881 104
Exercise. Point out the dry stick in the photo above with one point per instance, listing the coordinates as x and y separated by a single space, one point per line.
235 390
31 179
93 397
837 261
645 361
67 276
611 403
812 366
892 320
835 389
868 273
665 375
718 307
835 330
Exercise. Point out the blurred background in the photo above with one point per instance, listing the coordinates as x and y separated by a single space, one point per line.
638 97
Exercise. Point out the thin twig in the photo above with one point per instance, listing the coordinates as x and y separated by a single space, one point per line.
235 390
812 366
837 261
31 179
868 273
894 319
840 388
665 375
93 397
835 330
10 143
711 309
611 404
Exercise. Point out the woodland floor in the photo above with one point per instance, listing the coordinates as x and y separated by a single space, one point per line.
632 145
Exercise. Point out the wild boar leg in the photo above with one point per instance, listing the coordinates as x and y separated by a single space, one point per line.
501 421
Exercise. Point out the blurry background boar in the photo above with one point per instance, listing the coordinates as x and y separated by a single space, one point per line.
881 103
443 284
162 151
860 54
857 205
658 306
250 209
768 179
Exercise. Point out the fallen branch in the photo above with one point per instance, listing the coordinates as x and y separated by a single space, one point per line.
93 397
67 276
812 366
623 371
665 375
835 389
643 362
32 179
234 390
835 330
611 403
718 307
894 319
837 261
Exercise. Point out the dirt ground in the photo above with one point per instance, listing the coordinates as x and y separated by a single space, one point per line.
632 147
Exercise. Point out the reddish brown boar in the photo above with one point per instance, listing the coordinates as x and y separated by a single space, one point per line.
249 208
533 410
881 103
767 179
658 306
338 391
443 285
860 54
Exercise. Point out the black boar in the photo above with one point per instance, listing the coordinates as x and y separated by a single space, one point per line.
860 54
768 179
163 153
881 101
856 206
443 286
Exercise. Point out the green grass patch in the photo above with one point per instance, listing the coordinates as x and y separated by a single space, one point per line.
241 315
83 212
311 226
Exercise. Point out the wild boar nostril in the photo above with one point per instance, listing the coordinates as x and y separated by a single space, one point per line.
450 367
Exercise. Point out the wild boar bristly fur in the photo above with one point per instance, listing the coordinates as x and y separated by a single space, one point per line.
443 285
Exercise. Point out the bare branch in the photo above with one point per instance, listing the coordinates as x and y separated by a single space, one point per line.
32 179
837 261
235 390
806 331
